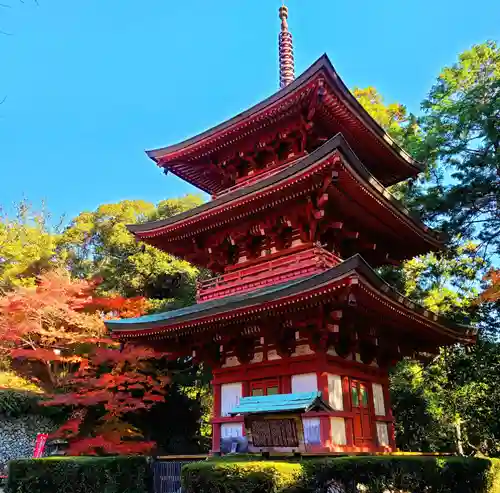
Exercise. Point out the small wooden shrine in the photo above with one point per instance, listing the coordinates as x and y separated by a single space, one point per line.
273 423
299 218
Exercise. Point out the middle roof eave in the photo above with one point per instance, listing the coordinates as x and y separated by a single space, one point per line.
336 143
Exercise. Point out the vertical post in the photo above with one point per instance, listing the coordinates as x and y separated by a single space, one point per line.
216 435
349 431
323 385
286 384
216 427
245 388
325 424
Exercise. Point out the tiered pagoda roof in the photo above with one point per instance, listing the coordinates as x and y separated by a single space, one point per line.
334 176
199 160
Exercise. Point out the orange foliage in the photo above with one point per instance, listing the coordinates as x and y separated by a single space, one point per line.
492 292
56 335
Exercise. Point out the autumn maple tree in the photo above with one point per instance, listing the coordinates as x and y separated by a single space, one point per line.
492 292
56 337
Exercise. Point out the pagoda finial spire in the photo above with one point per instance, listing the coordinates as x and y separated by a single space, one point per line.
287 63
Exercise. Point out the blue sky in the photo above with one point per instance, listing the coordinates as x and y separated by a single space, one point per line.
91 84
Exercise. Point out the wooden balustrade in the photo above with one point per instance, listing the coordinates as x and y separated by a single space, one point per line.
266 273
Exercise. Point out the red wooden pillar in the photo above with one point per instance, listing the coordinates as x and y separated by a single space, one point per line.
373 416
216 431
325 424
245 389
216 438
286 384
323 385
349 430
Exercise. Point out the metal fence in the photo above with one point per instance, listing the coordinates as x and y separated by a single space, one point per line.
167 474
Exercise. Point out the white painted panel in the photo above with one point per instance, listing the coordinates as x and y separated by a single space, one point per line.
378 399
337 426
231 430
382 434
306 382
230 397
335 394
312 431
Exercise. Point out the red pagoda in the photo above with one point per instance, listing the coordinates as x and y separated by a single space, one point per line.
299 218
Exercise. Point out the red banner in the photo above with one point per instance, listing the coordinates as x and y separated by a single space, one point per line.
41 440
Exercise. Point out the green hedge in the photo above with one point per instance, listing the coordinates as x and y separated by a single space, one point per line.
415 474
80 475
239 477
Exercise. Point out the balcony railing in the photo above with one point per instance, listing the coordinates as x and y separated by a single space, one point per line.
265 273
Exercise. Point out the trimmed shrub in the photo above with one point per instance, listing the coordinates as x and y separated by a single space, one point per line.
370 474
415 474
239 477
80 475
494 477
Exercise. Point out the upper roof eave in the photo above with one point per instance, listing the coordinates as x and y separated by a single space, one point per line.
322 64
337 142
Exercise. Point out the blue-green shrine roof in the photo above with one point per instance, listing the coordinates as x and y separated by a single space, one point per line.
279 403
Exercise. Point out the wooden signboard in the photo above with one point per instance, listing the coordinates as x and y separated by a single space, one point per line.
274 432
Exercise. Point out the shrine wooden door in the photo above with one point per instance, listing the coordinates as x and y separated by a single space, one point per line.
363 430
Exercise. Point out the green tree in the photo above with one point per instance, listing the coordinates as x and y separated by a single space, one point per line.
446 282
404 128
394 118
462 127
99 244
27 247
451 402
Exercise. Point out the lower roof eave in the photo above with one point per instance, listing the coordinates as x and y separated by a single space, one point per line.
352 270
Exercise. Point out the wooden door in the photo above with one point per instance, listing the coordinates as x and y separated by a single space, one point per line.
363 431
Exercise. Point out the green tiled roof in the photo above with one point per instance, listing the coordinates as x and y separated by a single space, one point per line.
304 401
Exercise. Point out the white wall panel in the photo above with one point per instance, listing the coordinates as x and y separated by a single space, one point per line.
337 426
230 397
231 430
312 431
306 382
382 434
378 399
335 394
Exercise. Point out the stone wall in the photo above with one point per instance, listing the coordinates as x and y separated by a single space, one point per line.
18 435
